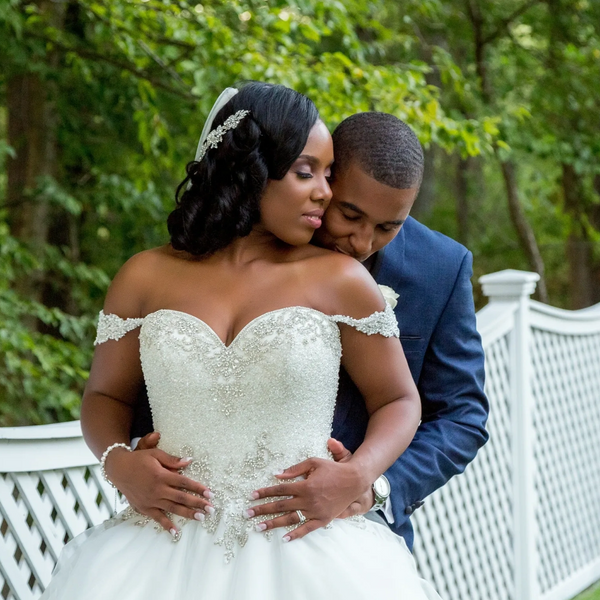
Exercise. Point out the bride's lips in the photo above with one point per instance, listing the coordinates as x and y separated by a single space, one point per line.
313 218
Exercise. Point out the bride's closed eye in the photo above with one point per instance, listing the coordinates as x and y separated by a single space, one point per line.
304 175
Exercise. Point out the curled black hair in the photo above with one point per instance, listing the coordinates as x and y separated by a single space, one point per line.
383 146
219 200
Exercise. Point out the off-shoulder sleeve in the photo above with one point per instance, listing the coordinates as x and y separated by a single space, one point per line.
384 323
111 327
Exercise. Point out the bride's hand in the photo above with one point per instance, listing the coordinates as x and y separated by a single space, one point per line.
150 480
329 490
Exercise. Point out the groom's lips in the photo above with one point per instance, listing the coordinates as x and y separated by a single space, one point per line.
338 249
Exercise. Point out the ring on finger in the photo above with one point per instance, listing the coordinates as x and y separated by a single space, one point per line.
301 516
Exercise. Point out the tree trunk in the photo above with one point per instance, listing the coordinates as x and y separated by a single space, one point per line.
579 246
523 228
32 133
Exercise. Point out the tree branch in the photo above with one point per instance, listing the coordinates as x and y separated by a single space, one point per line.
115 62
508 20
145 48
478 23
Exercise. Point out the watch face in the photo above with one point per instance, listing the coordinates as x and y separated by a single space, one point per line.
382 486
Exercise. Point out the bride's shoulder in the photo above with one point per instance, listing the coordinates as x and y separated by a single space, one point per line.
135 281
342 285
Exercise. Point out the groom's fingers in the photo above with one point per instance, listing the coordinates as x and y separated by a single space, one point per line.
339 452
149 441
355 508
302 469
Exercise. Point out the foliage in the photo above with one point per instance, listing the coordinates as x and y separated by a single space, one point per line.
42 374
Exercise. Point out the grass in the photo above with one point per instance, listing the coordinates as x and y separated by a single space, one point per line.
592 593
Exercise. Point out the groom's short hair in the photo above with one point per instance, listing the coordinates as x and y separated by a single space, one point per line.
383 146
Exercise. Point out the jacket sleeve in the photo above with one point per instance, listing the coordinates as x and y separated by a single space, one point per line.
454 406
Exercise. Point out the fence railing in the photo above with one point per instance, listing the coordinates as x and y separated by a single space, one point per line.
522 523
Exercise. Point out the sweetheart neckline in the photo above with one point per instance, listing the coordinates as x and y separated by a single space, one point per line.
330 318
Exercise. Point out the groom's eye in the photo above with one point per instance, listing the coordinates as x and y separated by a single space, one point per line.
351 217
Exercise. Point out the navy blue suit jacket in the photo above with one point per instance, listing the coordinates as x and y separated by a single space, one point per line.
432 275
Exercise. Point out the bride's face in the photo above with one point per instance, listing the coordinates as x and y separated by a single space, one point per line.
292 208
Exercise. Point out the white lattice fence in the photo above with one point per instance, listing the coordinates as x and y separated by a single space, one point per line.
463 540
50 491
522 523
566 390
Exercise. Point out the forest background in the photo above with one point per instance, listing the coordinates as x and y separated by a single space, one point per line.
102 103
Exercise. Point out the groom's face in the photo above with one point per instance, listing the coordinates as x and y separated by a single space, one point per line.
364 215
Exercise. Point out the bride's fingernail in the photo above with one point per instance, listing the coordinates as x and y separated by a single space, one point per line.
249 513
254 496
286 538
210 510
199 516
173 532
260 527
278 472
208 494
188 459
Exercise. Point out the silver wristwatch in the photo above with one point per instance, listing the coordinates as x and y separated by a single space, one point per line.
381 491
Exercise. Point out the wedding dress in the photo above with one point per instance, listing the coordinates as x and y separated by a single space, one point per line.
243 412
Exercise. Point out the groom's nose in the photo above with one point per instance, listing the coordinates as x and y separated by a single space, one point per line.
361 241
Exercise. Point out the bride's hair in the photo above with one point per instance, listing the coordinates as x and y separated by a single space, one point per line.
219 200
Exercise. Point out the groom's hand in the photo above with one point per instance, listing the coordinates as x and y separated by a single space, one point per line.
365 501
150 480
328 490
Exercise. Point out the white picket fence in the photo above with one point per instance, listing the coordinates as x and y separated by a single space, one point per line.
522 523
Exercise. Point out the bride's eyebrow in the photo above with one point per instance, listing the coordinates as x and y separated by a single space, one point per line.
313 161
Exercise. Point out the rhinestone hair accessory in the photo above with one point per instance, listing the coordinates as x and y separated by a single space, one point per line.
216 135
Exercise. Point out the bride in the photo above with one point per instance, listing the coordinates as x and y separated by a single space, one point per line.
237 328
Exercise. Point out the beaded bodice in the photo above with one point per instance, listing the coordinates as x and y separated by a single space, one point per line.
247 410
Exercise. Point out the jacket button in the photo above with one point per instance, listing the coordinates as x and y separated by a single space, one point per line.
409 510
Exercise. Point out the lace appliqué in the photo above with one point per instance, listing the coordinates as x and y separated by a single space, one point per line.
384 323
229 525
112 327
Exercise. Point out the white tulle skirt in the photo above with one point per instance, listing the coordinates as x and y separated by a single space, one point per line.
120 561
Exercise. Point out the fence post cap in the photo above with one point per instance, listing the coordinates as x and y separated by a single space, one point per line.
509 284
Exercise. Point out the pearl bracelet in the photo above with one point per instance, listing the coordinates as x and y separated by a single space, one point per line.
104 457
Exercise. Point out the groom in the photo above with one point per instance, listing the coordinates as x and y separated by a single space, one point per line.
378 171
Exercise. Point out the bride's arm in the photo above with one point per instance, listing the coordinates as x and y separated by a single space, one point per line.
378 367
148 478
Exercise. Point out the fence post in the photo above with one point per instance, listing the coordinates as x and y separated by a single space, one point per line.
515 287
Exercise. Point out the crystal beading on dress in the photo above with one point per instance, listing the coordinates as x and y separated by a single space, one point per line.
246 410
111 327
383 322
